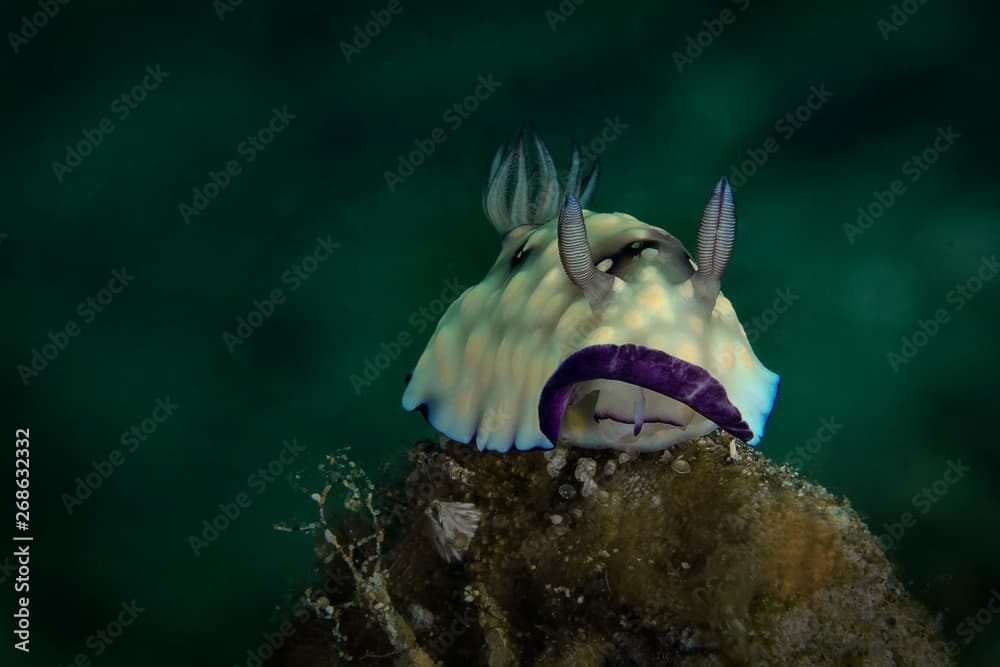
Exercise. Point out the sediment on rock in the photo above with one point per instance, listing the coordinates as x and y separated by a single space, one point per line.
585 557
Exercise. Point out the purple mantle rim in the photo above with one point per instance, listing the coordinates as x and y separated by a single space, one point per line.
644 367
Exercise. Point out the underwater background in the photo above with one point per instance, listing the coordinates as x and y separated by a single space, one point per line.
230 228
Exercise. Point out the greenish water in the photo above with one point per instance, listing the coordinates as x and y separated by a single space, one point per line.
179 224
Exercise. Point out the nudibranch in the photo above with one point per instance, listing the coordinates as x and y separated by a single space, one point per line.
594 329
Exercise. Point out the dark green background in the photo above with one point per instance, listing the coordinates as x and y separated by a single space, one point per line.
324 175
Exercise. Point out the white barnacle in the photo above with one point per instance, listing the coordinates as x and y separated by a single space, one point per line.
453 525
421 618
556 461
585 469
680 466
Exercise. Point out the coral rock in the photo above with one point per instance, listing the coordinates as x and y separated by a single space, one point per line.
735 561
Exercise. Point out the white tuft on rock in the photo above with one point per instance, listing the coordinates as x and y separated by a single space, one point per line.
585 469
556 460
421 618
584 473
453 525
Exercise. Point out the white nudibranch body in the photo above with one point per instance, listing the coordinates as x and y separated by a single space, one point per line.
591 328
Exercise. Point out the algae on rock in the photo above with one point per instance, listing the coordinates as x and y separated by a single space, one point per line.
693 557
